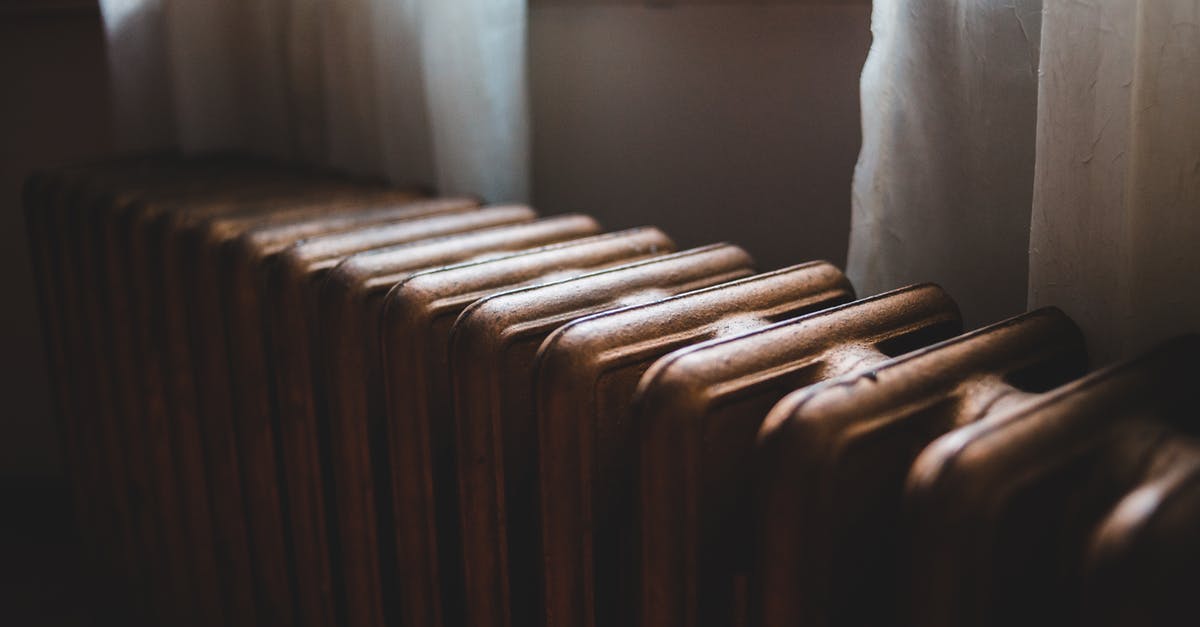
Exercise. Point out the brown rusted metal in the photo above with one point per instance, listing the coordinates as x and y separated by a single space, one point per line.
132 243
349 309
418 316
698 411
271 416
167 241
1140 565
140 447
63 244
1001 511
291 281
94 295
217 263
586 373
105 541
832 458
243 262
492 349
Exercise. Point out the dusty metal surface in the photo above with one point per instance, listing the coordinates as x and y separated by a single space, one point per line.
492 349
586 373
202 403
1140 564
831 461
113 223
349 307
46 196
1002 511
418 316
219 261
289 397
698 412
171 302
288 280
105 371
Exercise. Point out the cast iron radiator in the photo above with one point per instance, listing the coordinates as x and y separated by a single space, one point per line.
292 398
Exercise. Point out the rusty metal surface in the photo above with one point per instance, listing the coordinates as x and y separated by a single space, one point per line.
165 304
585 376
183 548
93 278
349 309
192 306
1002 510
217 263
492 349
1140 563
241 249
288 280
698 411
290 397
45 196
133 449
291 280
418 316
831 461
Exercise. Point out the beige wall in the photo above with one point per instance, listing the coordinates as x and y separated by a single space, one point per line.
735 122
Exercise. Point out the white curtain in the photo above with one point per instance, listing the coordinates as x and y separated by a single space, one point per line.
1025 155
423 91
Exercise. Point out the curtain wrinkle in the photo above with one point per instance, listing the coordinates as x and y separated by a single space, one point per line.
477 123
943 184
1077 185
420 91
1117 204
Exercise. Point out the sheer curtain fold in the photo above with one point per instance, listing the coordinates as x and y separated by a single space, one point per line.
1027 155
1116 212
943 183
428 91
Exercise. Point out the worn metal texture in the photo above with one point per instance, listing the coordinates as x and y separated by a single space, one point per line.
831 461
143 234
291 281
168 308
191 307
42 197
291 397
1140 564
105 540
492 350
585 376
698 411
55 215
133 243
349 308
93 292
233 257
132 447
1000 511
213 287
418 315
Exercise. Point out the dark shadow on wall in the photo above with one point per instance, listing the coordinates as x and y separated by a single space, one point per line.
716 122
55 110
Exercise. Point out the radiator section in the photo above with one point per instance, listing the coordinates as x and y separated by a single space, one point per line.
290 397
